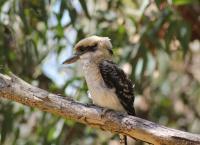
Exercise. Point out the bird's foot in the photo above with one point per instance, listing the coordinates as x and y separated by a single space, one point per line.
104 111
122 139
90 105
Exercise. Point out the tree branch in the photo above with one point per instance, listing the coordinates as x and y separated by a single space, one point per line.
15 89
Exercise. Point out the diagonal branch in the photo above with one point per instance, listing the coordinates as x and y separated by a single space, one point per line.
15 89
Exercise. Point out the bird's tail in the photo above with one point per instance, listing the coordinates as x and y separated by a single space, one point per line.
123 139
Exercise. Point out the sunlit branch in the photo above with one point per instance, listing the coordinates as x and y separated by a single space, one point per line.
15 89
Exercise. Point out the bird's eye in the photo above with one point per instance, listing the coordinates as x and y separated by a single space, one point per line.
110 51
81 49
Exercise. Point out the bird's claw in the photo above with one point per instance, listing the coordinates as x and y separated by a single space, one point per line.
104 111
122 140
90 105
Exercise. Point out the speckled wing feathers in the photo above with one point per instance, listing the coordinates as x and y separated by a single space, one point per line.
114 77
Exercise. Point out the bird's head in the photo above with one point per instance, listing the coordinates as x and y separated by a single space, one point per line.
91 48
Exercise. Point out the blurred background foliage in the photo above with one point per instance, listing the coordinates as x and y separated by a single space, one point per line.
155 42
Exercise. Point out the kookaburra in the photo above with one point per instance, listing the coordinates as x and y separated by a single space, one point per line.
108 85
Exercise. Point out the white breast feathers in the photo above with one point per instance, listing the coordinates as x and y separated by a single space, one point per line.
99 92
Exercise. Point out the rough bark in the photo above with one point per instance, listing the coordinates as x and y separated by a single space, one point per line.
15 89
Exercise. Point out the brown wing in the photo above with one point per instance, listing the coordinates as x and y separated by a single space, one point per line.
114 77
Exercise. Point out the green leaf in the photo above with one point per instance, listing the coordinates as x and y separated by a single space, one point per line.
7 123
184 35
84 6
183 2
72 12
35 48
2 3
158 2
170 33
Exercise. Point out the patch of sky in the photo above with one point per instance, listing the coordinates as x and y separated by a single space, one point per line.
138 70
4 18
77 5
52 65
65 18
71 90
56 6
151 64
52 21
165 88
70 35
144 3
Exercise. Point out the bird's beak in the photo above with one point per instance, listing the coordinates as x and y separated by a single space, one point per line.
72 59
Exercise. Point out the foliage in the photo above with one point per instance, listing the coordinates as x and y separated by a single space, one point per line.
156 43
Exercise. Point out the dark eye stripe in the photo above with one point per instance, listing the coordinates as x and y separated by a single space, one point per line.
81 49
92 48
87 48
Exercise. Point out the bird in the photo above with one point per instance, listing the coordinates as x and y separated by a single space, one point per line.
108 85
